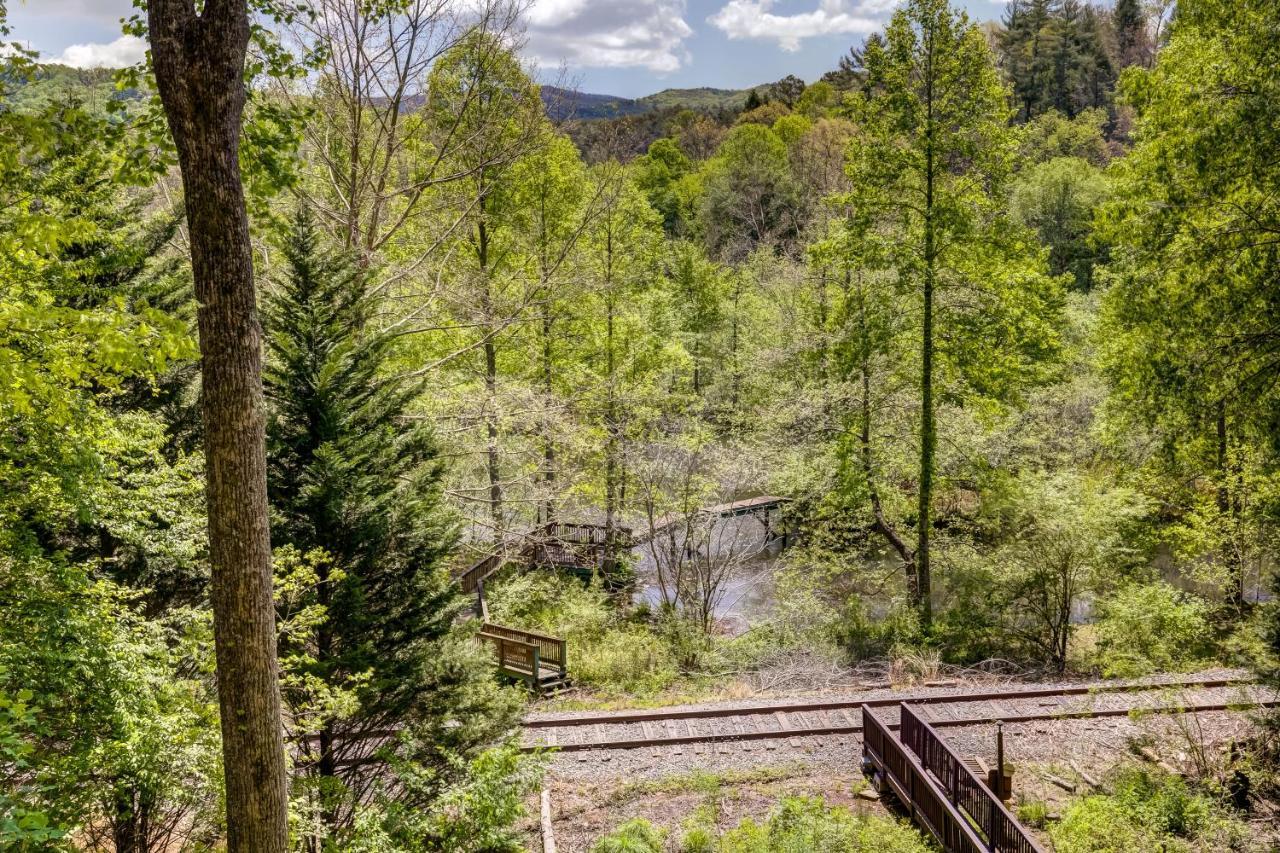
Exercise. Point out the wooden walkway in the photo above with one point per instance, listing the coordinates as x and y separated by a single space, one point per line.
940 791
761 506
539 660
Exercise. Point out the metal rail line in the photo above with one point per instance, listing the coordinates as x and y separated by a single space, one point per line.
829 718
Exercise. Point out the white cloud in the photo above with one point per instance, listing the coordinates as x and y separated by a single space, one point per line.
753 19
125 50
608 33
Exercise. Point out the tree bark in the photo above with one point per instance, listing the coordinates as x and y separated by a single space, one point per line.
492 459
612 506
199 68
928 429
1229 508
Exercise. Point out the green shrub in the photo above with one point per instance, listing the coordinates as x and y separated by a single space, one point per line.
556 604
797 825
1163 802
863 637
807 825
969 626
634 836
698 840
1099 823
1034 813
1146 810
605 651
477 814
1146 628
629 660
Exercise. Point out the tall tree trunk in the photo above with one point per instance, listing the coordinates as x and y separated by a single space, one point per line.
199 68
490 374
928 429
1229 507
735 378
327 766
547 512
125 834
612 438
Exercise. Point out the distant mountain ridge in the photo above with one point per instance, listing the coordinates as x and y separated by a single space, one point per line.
54 83
562 104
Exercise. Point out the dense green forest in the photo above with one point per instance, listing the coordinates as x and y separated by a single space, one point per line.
989 304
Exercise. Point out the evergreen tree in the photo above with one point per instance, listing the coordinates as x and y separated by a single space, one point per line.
355 488
1053 54
1025 56
848 71
1130 24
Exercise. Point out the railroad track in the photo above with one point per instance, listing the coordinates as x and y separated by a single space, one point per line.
700 726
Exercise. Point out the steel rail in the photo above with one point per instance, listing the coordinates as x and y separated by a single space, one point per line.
856 728
610 718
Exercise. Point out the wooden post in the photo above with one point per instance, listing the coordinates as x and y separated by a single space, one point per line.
1000 748
993 831
548 837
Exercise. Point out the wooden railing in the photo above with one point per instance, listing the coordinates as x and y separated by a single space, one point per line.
580 534
963 788
471 577
928 804
551 652
515 658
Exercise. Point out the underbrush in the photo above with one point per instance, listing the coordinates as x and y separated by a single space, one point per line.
608 651
796 825
626 656
634 656
1148 810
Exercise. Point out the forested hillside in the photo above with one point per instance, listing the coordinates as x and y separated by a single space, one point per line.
987 309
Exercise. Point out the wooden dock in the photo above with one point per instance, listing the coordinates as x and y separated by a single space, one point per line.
761 506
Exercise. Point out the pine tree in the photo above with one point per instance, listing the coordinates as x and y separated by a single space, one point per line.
1131 32
353 476
1026 52
1052 53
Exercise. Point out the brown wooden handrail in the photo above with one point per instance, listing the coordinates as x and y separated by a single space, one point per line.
916 789
471 577
1004 834
552 651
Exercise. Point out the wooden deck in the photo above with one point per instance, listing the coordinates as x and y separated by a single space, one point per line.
762 505
539 660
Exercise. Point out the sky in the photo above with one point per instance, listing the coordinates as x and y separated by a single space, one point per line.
617 47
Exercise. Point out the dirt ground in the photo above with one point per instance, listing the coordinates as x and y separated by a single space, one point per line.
582 813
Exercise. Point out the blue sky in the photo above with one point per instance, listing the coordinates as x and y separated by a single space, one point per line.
621 47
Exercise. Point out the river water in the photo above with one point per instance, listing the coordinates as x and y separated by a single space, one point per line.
738 547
